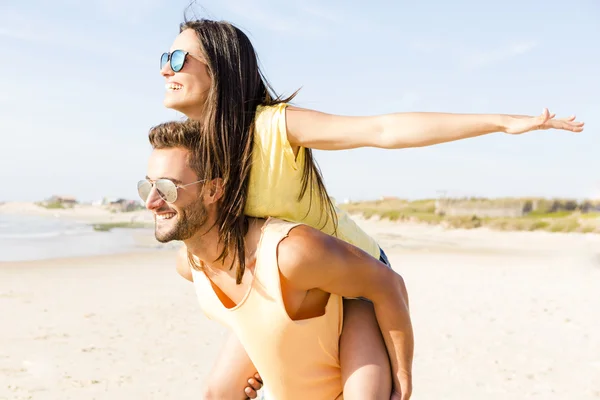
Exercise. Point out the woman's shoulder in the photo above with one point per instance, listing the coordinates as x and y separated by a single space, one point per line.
270 109
270 125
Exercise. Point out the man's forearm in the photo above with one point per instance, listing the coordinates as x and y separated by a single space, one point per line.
418 129
393 316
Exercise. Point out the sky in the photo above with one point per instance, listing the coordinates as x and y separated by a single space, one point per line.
80 88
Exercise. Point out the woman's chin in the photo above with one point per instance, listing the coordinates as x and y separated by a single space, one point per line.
185 106
171 101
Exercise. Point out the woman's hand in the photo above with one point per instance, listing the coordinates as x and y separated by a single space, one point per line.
521 124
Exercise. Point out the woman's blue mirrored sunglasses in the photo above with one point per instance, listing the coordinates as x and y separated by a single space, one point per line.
177 59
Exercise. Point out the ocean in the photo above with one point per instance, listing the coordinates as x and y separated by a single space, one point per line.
38 238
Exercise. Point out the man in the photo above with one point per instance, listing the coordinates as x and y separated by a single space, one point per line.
287 308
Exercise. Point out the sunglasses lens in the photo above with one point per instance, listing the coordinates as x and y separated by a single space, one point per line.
164 59
177 60
167 190
144 188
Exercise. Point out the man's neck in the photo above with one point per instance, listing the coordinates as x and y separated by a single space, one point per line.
207 246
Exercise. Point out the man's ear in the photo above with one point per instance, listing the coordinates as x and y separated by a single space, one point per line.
214 190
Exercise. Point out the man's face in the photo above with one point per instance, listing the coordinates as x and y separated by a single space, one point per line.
183 218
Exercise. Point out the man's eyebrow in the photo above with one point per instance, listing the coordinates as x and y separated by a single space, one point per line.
175 181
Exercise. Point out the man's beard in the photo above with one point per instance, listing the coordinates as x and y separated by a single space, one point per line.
189 221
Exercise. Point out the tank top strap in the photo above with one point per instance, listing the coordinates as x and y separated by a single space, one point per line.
267 268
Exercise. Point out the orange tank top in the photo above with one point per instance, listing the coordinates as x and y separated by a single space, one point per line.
296 359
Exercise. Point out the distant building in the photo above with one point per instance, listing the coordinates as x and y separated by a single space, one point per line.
123 205
511 208
63 200
388 198
482 209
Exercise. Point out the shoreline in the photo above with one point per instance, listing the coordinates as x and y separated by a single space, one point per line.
399 236
30 232
94 258
136 256
89 214
100 215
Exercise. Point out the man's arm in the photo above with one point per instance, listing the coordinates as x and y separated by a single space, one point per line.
310 259
231 374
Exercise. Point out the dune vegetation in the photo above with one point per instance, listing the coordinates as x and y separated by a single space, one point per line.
509 214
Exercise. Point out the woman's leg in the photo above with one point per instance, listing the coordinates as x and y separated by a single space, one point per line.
366 372
230 374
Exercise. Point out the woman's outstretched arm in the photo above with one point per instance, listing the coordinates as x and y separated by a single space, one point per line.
313 129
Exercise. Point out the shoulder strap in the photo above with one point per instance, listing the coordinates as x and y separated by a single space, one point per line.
267 267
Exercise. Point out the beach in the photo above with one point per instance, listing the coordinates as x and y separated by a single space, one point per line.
496 315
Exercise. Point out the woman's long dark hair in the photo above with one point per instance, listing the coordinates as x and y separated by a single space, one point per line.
238 89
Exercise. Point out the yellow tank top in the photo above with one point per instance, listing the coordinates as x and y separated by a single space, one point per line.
297 360
276 180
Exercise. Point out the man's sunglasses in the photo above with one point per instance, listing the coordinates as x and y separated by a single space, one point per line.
166 188
176 58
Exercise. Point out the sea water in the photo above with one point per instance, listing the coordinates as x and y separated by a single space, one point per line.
38 238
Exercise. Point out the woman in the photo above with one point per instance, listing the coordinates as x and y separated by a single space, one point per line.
212 75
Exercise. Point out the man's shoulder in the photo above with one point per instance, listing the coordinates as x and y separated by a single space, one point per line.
183 264
296 235
301 251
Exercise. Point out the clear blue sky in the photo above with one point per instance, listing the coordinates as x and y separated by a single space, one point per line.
80 87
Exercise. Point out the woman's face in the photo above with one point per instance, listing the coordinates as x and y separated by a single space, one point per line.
187 90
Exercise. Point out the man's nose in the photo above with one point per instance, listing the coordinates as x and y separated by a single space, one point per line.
154 201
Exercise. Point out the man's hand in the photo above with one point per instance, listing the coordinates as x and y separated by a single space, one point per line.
520 124
254 385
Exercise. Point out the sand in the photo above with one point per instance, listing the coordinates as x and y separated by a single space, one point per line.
496 316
